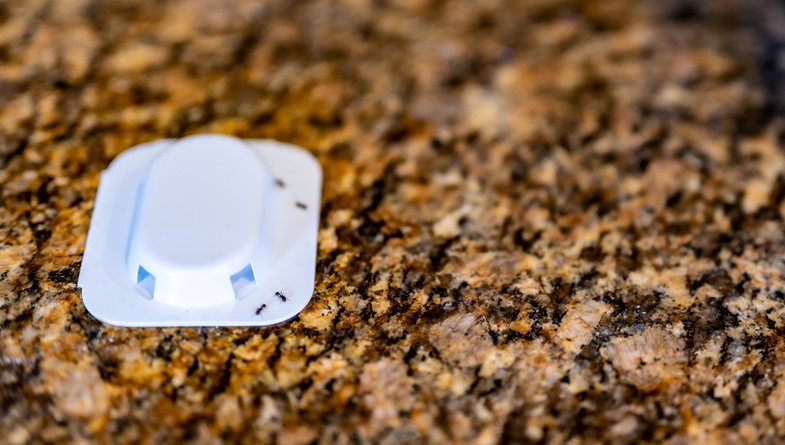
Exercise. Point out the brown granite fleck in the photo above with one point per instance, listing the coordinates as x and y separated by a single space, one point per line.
552 221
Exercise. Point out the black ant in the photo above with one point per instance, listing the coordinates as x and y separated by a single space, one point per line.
280 183
281 296
301 205
260 309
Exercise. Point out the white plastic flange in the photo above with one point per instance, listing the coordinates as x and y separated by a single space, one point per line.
207 230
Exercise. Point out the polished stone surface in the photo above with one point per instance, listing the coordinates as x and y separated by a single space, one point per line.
546 221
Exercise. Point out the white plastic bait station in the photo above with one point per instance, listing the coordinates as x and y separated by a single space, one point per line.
207 230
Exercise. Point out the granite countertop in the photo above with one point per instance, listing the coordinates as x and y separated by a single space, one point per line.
548 221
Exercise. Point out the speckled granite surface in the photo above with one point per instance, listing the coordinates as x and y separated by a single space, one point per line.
546 221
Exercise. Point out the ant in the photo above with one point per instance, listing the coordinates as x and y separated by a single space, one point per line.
301 205
260 309
280 183
281 296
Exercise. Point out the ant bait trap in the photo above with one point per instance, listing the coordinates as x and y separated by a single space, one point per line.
207 230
